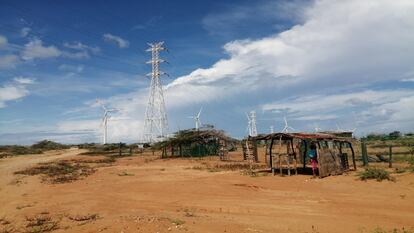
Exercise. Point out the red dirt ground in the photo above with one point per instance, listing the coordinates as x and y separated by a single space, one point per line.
168 195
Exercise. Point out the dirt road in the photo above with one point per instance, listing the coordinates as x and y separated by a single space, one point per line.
144 194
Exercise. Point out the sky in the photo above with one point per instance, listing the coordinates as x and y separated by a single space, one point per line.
326 64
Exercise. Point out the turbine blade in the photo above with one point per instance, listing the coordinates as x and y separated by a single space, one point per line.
199 113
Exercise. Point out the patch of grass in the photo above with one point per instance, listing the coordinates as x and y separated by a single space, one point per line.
395 230
41 223
227 167
399 170
49 145
84 219
59 172
376 173
7 229
19 207
177 222
411 163
125 173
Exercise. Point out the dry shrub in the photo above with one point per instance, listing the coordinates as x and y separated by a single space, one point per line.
84 219
41 223
228 167
59 172
87 217
379 174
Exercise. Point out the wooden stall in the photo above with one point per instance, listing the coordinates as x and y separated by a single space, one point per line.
288 152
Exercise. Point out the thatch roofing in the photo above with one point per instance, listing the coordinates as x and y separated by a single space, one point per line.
192 136
289 136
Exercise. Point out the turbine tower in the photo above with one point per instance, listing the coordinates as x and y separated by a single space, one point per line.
272 129
197 119
156 124
105 118
252 124
287 127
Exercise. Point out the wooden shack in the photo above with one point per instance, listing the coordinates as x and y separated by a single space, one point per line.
287 152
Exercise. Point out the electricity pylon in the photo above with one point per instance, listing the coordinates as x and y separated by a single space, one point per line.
156 123
252 124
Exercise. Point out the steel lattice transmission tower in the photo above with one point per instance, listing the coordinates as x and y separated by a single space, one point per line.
156 123
252 123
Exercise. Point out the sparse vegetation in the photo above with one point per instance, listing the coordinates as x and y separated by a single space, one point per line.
228 167
376 173
41 223
38 148
59 172
177 222
84 219
49 145
395 230
125 173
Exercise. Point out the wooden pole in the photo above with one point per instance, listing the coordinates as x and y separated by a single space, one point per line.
288 157
353 156
304 155
120 149
364 154
271 156
390 159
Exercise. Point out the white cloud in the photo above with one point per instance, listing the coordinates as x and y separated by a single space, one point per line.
3 41
122 43
14 90
25 31
23 80
8 61
331 66
82 47
81 50
35 49
71 68
76 55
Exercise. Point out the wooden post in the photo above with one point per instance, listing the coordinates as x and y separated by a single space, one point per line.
288 157
390 157
364 154
305 153
271 156
120 149
130 150
353 156
294 157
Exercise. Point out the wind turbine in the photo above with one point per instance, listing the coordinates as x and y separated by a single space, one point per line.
272 130
287 127
105 118
197 119
317 128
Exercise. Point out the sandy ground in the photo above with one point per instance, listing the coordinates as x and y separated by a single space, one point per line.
169 196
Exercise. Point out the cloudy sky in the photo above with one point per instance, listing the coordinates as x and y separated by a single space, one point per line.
322 64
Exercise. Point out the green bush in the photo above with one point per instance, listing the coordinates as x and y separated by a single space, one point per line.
49 145
376 173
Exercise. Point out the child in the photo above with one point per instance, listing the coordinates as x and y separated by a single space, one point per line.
313 158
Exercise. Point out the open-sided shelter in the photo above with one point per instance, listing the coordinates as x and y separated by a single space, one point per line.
196 143
288 152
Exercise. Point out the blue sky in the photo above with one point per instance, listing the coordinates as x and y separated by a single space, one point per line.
320 63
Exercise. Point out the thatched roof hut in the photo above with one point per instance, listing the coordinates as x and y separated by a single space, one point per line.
195 143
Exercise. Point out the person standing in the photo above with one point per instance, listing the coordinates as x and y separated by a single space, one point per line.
313 158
